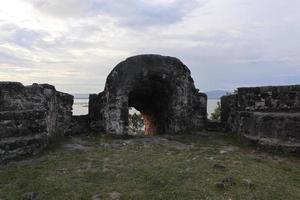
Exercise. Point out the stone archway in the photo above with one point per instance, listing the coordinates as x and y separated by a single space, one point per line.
160 87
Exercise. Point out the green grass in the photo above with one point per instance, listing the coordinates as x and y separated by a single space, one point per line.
178 168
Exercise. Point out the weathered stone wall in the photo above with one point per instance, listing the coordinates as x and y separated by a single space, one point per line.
229 112
268 116
270 99
96 112
30 117
160 87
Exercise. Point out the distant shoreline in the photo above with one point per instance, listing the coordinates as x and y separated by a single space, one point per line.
214 94
80 106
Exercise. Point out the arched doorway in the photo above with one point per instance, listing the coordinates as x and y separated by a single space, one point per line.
152 96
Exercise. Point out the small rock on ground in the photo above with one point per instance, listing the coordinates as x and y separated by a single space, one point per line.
228 149
220 185
229 180
248 183
226 181
219 166
97 197
114 195
30 196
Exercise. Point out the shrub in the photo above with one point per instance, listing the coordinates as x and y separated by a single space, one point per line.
136 123
216 115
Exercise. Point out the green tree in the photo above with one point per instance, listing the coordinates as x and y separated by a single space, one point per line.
216 115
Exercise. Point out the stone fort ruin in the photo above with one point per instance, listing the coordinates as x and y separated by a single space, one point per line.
162 89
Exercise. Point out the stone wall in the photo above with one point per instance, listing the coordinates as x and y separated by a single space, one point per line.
229 112
31 117
80 125
267 116
270 99
96 112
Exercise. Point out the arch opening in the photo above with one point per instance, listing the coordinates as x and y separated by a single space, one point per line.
152 98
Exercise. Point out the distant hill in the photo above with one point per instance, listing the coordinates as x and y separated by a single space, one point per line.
216 94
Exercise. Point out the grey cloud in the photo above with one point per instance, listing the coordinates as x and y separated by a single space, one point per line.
138 13
62 9
252 49
21 36
144 13
27 38
6 58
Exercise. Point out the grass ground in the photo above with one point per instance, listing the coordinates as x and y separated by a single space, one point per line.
161 167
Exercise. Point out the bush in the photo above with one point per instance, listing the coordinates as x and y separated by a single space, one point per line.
136 123
216 115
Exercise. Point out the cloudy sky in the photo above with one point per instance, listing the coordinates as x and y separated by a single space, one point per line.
73 44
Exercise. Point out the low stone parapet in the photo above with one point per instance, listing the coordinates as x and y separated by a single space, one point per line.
266 116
